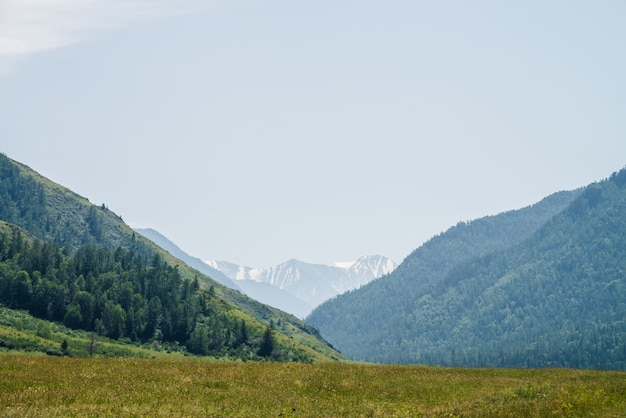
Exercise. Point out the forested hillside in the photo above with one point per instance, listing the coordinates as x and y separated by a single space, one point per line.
66 260
117 294
362 323
555 299
53 213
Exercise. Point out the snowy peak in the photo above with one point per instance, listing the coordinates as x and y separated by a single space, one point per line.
366 269
344 264
298 273
371 266
378 265
232 270
311 283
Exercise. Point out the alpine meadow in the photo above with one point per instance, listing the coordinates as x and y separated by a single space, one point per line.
312 208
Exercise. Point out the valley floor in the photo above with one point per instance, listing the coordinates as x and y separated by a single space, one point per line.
37 385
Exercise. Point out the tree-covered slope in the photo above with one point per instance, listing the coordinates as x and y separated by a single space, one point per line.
54 213
117 293
61 257
555 299
367 323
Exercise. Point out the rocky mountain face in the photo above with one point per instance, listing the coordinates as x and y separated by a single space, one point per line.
298 287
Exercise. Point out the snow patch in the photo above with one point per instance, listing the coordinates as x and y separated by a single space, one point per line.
343 264
312 283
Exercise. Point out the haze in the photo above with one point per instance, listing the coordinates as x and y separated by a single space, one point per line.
259 131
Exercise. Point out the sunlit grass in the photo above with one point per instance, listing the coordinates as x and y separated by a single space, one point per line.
50 386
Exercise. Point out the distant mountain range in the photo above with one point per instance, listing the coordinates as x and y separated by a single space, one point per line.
297 287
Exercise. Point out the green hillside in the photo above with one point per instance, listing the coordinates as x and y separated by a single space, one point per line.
67 260
554 299
363 323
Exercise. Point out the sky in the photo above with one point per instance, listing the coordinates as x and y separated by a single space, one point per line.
256 131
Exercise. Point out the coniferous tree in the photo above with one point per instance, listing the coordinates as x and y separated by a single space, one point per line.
73 317
199 341
243 335
267 345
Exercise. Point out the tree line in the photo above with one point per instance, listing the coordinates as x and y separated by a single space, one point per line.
122 295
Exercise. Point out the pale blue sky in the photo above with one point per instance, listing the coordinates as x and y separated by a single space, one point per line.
257 131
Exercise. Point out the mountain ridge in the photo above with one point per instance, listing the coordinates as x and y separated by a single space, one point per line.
169 246
552 297
359 322
308 282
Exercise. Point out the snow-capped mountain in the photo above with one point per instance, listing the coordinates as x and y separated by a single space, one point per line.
310 283
233 271
366 269
294 286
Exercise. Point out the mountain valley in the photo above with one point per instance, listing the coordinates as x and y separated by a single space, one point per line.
540 286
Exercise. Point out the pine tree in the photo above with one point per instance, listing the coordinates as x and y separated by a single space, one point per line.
243 336
267 346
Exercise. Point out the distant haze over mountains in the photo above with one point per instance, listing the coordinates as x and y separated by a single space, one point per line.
305 285
163 242
294 286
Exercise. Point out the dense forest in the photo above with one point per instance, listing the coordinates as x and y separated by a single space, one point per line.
355 321
555 298
67 260
118 294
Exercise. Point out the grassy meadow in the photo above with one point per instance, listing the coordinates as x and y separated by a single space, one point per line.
45 386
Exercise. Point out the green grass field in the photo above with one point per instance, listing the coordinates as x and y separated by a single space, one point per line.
43 386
